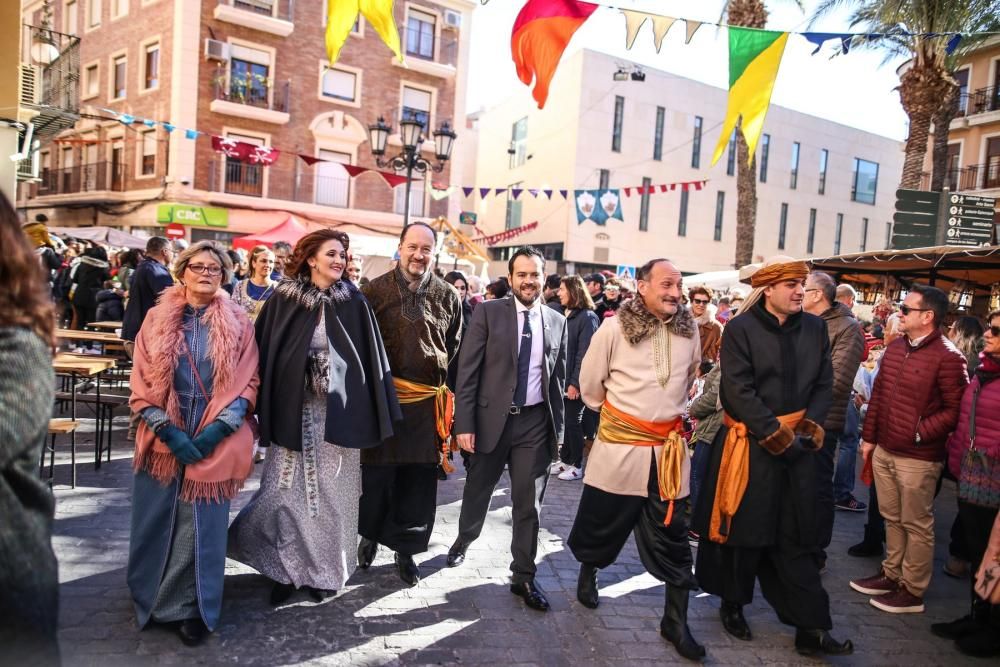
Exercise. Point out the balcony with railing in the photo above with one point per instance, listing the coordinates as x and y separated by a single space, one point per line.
973 177
317 185
50 79
251 96
423 55
977 102
271 16
84 178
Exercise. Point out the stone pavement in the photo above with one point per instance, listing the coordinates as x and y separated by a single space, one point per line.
454 616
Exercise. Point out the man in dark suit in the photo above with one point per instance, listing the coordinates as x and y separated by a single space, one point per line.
509 411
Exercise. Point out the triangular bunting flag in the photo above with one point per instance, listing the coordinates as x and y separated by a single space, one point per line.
673 186
633 21
698 185
126 119
663 188
548 193
168 127
392 179
309 159
754 59
148 122
952 44
628 192
820 38
541 32
564 193
354 171
483 192
516 192
661 25
191 134
692 28
499 191
533 193
468 191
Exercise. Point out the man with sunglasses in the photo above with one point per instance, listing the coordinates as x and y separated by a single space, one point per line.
914 407
708 327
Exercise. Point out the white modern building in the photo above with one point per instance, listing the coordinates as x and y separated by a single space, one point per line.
824 188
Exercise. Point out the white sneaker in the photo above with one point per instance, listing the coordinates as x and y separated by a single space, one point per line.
571 474
558 468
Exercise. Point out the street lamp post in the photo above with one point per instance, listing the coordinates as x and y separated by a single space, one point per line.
410 159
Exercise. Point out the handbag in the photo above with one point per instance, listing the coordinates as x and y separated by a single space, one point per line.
979 476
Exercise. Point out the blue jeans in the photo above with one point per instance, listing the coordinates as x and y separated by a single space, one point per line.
847 455
699 467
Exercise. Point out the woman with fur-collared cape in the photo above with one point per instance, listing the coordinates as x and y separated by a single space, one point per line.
194 379
326 393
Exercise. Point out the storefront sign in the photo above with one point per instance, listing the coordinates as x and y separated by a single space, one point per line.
192 215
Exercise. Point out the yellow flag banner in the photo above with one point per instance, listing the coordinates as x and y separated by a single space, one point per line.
341 16
754 58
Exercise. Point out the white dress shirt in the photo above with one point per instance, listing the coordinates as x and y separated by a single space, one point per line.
534 395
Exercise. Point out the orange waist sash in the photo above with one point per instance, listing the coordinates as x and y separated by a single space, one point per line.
409 391
734 473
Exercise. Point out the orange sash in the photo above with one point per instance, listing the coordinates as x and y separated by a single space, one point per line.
734 473
409 391
620 428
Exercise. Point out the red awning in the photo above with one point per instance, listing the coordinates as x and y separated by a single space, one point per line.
291 230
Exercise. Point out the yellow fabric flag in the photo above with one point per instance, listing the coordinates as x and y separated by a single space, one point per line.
754 58
342 14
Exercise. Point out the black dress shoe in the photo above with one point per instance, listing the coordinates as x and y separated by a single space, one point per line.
366 552
192 631
408 570
865 549
532 593
280 593
814 642
456 555
319 594
733 621
586 587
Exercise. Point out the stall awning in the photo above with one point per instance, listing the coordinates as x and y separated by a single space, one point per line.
290 231
106 235
942 266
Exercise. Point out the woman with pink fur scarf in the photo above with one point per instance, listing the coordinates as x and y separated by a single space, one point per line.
194 380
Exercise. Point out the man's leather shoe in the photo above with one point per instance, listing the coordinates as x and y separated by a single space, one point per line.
814 642
456 555
532 593
586 587
731 614
280 593
408 570
192 631
366 552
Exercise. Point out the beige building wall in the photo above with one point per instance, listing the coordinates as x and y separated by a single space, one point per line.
570 141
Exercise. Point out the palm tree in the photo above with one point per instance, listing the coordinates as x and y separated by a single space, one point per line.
926 85
747 14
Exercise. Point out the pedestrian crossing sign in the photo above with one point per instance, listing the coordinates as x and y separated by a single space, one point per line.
625 271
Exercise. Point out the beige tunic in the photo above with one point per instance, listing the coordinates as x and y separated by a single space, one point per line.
629 377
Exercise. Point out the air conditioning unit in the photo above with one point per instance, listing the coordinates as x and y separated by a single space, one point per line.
27 168
31 84
216 50
452 19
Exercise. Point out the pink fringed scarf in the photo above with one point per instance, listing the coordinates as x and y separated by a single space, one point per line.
233 351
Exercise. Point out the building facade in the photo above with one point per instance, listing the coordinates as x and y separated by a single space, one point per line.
823 189
254 71
974 135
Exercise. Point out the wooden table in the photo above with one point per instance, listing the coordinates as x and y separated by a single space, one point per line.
103 338
84 366
110 325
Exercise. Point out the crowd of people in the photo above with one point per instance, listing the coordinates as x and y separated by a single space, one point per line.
725 423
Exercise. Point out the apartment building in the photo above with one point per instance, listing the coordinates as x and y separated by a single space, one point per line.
974 135
824 188
254 71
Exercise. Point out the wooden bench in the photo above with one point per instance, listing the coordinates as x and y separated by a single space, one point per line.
60 427
104 411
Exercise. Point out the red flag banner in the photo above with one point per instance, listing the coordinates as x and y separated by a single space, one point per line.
541 32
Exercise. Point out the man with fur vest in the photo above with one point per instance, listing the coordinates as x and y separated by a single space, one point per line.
637 372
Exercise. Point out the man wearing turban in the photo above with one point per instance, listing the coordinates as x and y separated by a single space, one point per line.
755 514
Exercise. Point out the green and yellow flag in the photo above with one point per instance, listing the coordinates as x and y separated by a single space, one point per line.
754 57
342 14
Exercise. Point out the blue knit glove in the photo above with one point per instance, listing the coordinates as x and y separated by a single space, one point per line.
210 437
180 444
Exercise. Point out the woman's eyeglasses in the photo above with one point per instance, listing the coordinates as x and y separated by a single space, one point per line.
206 269
906 310
700 302
995 331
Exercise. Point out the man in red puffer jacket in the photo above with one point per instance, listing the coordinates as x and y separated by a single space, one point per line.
913 408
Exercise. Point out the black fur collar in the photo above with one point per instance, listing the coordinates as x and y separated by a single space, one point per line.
310 297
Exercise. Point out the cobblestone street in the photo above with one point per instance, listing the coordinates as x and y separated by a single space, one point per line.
454 616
